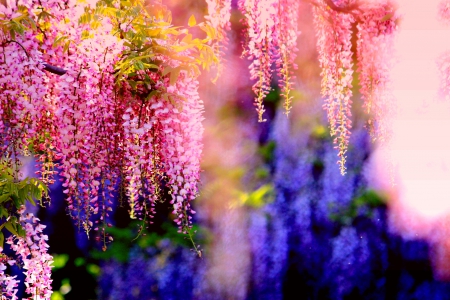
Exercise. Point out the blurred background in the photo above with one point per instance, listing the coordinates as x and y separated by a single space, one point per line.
275 218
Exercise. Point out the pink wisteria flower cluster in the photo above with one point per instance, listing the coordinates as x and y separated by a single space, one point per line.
376 32
31 255
271 38
334 45
376 24
135 135
443 62
219 14
444 11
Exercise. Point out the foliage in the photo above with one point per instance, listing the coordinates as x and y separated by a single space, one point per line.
13 195
364 204
258 198
126 238
266 151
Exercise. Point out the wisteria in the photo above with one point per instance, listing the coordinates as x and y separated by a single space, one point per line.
153 272
376 33
294 247
287 47
219 13
9 283
444 11
335 57
271 38
349 261
104 94
31 255
110 120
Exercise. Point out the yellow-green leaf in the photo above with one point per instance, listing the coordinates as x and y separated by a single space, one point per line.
174 76
192 21
187 39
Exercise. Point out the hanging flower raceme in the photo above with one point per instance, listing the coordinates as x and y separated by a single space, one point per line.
287 48
335 57
443 62
87 121
376 29
8 283
271 37
182 160
31 255
444 11
23 87
219 13
162 141
261 18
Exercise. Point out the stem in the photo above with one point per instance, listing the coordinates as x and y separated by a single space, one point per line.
23 48
196 249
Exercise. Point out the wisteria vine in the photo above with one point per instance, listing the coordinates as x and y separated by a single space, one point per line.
118 110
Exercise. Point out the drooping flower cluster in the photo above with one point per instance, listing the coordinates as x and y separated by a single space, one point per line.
23 88
443 64
219 13
444 11
376 25
113 118
271 37
349 263
335 57
443 61
8 283
31 254
376 29
287 45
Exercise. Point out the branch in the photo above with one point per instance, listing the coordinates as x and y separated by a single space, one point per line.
54 70
331 5
346 9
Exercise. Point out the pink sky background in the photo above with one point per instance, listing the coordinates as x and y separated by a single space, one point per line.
420 145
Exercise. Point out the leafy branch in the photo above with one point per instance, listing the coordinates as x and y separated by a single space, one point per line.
13 195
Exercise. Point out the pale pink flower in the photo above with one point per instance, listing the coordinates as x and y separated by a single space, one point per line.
335 58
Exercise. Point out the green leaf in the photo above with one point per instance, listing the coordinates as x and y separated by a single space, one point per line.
21 231
32 201
3 212
93 269
60 260
5 197
10 227
151 94
79 261
2 239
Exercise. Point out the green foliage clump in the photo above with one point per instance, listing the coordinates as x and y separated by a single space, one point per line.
257 198
14 194
124 240
152 45
267 151
366 202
